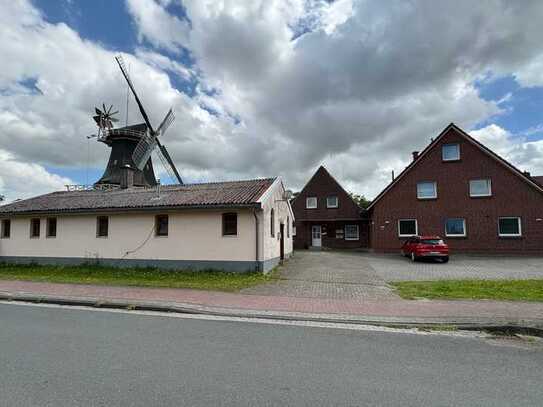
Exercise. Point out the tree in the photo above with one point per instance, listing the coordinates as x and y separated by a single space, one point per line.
360 200
2 197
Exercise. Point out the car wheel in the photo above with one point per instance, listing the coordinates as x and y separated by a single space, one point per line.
445 259
413 257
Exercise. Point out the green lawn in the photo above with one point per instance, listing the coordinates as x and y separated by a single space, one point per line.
510 290
143 277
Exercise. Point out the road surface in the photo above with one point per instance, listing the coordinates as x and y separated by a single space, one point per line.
73 357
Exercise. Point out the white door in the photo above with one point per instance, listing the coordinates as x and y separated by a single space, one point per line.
316 236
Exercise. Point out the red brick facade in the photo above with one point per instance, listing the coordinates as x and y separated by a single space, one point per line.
513 194
332 221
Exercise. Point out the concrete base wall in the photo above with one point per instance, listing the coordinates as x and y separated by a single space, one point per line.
196 265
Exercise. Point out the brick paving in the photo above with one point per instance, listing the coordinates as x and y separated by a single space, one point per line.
398 268
265 303
327 274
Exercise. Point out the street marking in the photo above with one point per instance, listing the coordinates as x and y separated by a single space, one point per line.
266 321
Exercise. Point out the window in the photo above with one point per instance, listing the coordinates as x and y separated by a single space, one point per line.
426 190
431 241
407 227
331 202
311 202
230 224
51 230
450 152
509 227
161 225
480 187
102 226
34 228
5 233
293 230
272 223
351 232
288 226
455 227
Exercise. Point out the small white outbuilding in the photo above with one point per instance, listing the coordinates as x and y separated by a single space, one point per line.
233 226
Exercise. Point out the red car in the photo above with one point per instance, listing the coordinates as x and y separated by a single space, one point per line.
418 247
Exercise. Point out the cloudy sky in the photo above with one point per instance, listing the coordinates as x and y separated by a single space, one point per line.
267 88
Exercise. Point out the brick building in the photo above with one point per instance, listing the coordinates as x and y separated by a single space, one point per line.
459 189
327 216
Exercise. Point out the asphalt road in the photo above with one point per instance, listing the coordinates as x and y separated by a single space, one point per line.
69 357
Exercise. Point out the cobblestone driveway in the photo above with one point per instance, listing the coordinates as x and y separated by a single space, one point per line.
363 276
398 268
327 274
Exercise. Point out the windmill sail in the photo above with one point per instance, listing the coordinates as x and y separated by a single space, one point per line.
143 150
120 61
171 165
147 144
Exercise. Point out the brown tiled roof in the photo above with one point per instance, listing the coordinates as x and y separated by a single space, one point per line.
217 194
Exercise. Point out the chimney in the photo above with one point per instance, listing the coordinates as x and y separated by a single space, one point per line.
127 176
527 173
392 175
415 155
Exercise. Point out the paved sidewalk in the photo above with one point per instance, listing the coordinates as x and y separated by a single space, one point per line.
402 311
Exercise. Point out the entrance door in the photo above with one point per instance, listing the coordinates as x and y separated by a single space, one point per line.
282 241
316 236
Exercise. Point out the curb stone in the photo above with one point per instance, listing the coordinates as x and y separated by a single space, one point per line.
494 325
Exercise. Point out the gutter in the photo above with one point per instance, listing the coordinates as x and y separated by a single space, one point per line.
91 211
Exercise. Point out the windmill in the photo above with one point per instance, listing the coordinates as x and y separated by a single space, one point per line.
131 146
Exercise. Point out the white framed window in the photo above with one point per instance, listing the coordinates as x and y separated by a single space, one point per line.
407 227
509 226
331 202
427 190
480 187
450 152
311 202
455 227
351 232
293 230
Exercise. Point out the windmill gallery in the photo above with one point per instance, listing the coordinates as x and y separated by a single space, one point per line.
128 219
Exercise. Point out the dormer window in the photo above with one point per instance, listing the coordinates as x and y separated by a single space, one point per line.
450 152
311 202
331 202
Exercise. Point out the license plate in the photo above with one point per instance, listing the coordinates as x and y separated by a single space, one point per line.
435 253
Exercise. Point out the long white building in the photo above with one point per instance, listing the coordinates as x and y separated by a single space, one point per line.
233 226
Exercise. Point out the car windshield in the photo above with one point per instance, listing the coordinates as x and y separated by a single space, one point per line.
431 241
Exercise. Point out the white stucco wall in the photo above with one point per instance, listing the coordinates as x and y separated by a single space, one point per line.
274 198
193 235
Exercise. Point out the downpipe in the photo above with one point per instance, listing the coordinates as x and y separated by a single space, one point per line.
257 266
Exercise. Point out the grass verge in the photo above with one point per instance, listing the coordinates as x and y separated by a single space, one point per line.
142 277
507 290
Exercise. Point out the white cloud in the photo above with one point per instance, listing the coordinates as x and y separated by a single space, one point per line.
19 180
525 155
157 26
365 85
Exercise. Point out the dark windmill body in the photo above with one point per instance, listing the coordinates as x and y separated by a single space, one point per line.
130 162
123 141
